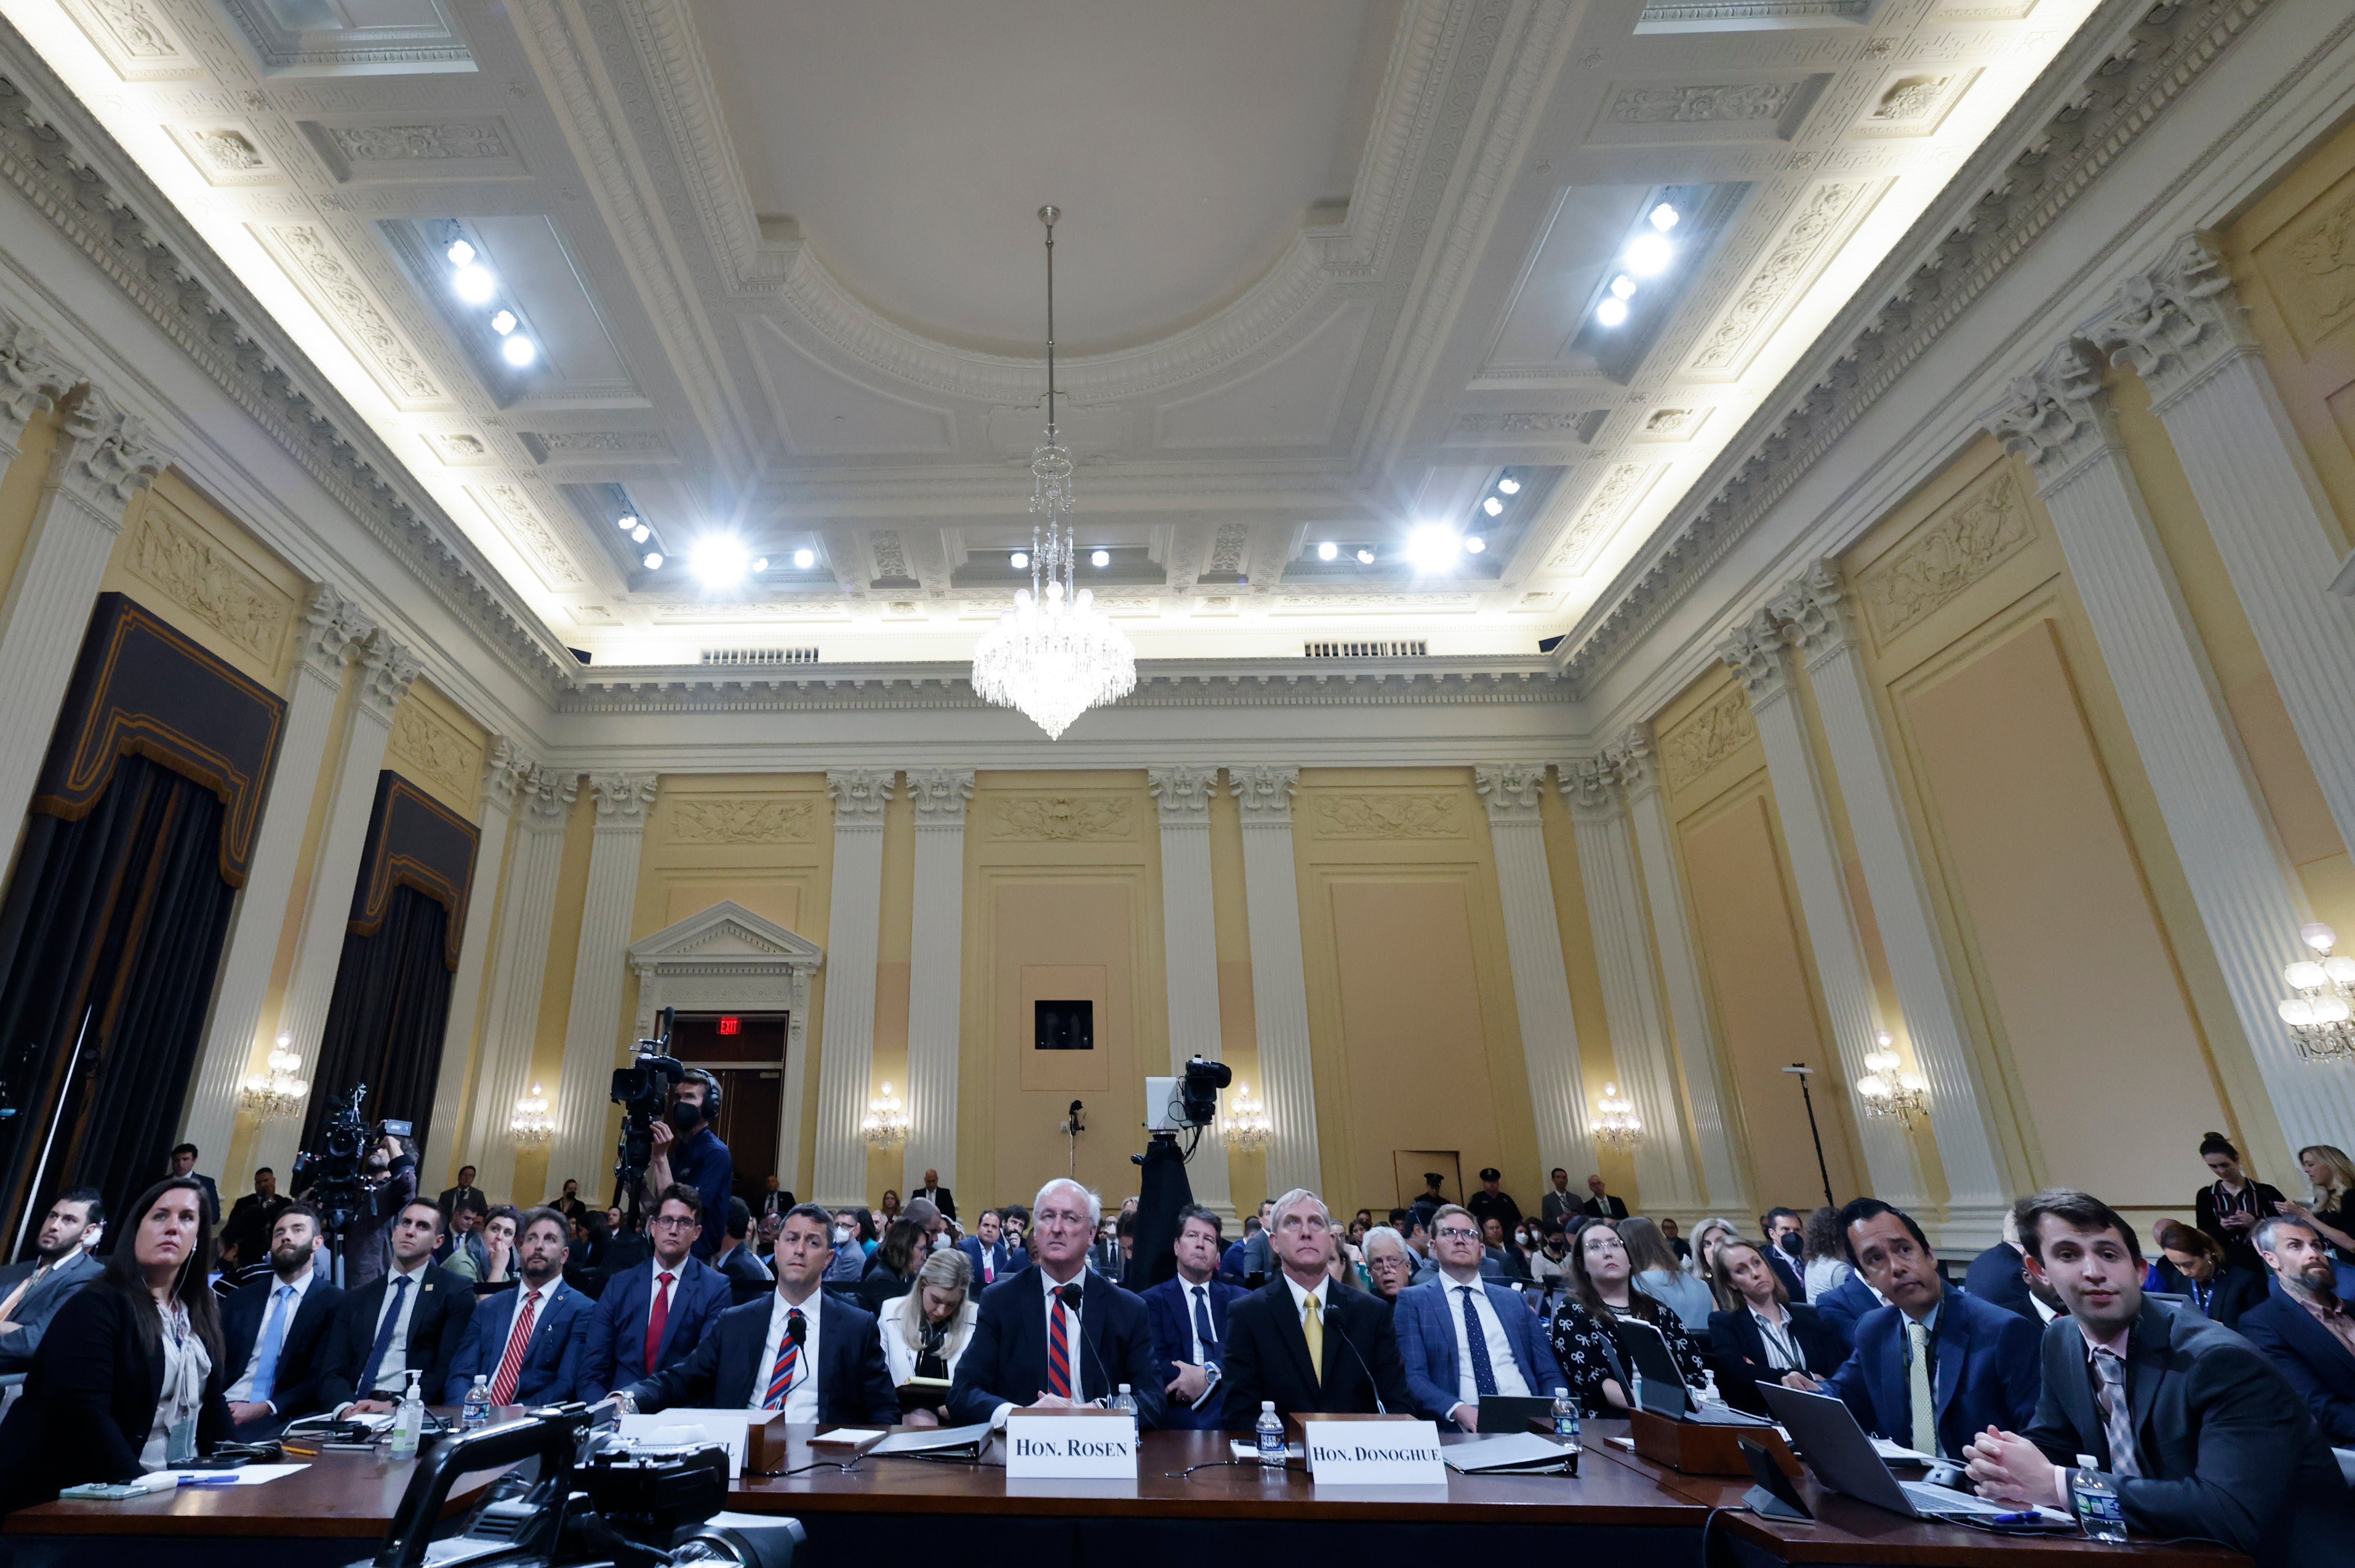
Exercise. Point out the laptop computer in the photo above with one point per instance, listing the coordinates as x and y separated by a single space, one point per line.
1513 1413
1664 1391
1841 1458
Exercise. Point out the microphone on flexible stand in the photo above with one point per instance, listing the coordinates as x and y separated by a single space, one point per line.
1380 1408
1072 1295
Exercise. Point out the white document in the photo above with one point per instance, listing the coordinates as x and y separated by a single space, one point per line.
1898 1452
936 1440
1070 1447
247 1475
673 1428
1245 1448
1375 1454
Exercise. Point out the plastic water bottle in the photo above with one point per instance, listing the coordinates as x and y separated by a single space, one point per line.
1124 1403
408 1422
475 1414
1565 1414
1635 1390
2097 1501
1270 1428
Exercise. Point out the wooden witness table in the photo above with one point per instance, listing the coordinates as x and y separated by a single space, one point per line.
1624 1510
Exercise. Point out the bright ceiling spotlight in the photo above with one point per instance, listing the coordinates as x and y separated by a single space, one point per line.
1610 312
1365 558
1623 286
1647 254
474 284
1474 544
1432 548
1328 550
518 351
803 559
760 564
654 562
504 323
1664 218
1508 485
1492 506
1019 560
460 254
626 522
1099 558
719 561
640 534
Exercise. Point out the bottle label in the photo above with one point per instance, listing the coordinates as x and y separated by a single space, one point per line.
2098 1508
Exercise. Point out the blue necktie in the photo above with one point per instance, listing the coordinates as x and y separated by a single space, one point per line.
1202 1330
273 1337
383 1339
1475 1341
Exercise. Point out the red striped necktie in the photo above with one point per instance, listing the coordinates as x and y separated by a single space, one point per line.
503 1387
1059 1347
789 1360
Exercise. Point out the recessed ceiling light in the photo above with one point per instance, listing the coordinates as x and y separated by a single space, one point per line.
1610 312
459 252
1508 485
719 561
1020 560
641 534
1647 254
474 284
1365 558
626 522
1099 558
1664 218
1623 286
518 351
654 562
1327 551
1475 543
1492 506
1432 548
760 564
803 559
504 323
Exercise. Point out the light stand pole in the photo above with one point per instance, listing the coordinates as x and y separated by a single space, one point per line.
1800 1070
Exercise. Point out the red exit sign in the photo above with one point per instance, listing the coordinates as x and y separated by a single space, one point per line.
731 1025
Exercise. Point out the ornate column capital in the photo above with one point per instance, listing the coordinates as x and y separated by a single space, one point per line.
2056 416
1510 790
1264 790
859 795
1754 649
1633 763
1590 789
940 794
624 799
1183 791
545 797
387 668
108 457
505 771
2175 322
332 626
32 380
1814 604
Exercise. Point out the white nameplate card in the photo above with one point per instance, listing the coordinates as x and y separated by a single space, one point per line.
1070 1445
1374 1454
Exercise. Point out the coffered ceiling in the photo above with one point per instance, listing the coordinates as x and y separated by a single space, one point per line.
1330 270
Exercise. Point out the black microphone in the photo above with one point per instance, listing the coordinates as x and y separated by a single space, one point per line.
1380 1408
1072 1295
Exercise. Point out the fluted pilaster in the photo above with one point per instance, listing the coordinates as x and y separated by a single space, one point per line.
593 1023
846 1055
1190 946
935 972
1279 975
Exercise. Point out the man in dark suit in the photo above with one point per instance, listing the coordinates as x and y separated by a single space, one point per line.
272 1332
183 1163
2194 1428
31 1292
1188 1314
1560 1206
801 1351
993 1256
408 1319
1303 1340
1934 1365
1999 1275
252 1217
655 1314
1055 1335
1600 1205
1460 1338
1843 1306
933 1192
454 1196
2303 1325
528 1341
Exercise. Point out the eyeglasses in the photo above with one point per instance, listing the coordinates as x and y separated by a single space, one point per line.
1457 1233
675 1223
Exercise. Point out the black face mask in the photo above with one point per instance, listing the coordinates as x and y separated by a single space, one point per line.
1792 1243
685 1116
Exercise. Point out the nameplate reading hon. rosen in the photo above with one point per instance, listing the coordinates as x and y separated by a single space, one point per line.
1057 1447
1374 1454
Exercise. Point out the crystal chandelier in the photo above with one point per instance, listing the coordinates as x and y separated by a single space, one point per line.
280 1094
1886 1092
1054 656
886 1126
1246 1120
530 1126
1615 1125
2319 1016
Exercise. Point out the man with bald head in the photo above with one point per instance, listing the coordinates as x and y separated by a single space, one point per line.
1304 1339
1055 1335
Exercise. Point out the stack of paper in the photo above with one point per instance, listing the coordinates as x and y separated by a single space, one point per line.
1505 1452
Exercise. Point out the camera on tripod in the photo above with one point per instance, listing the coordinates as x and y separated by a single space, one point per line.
334 1173
643 1090
1190 1100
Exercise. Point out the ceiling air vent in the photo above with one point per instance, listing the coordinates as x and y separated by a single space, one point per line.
759 655
1413 650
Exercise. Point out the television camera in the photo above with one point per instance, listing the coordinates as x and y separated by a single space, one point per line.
336 1172
643 1090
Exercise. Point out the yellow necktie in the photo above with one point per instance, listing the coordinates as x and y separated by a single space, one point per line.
1312 1328
1917 1388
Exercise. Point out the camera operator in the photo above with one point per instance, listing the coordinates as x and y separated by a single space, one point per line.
687 1151
389 1186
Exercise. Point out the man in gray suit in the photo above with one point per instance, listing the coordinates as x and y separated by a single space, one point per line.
2197 1432
31 1293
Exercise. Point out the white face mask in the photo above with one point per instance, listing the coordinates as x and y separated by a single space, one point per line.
841 1235
1521 1238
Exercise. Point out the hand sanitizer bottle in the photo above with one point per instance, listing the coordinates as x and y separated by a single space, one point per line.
408 1422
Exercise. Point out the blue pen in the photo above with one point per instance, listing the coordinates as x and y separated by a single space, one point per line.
217 1479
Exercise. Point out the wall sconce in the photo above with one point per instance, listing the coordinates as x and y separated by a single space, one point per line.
887 1120
1615 1125
1246 1120
1887 1091
2319 1016
530 1126
279 1095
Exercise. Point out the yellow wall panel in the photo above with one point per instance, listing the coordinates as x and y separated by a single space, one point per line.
188 561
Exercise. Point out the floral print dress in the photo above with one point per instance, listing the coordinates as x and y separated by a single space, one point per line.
1585 1347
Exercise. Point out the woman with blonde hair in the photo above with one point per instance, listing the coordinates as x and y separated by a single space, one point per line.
925 1332
2332 1212
1707 1237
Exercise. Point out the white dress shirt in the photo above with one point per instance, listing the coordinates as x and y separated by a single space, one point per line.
1509 1378
801 1398
1782 1344
393 1368
1301 1295
242 1390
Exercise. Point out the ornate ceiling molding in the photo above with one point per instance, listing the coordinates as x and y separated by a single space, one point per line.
2123 69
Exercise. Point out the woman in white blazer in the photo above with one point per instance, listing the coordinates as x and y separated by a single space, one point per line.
925 1331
